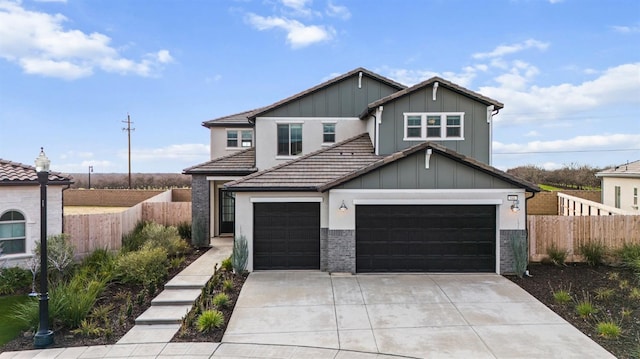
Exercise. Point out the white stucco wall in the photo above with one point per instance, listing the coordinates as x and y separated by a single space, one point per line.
627 185
26 200
506 218
218 147
244 211
267 140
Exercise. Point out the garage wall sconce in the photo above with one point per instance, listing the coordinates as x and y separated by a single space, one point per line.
515 205
343 207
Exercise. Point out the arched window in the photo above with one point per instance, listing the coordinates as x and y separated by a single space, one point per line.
12 232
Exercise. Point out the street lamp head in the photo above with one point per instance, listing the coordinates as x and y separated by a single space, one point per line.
42 162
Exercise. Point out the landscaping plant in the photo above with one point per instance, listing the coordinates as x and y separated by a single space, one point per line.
557 256
209 320
240 254
608 329
593 252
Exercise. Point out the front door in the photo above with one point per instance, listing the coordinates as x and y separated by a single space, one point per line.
227 211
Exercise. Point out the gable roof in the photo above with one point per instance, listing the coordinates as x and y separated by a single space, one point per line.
327 168
236 164
14 174
314 170
239 120
630 169
325 84
441 82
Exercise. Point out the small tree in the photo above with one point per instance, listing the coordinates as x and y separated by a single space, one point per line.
60 253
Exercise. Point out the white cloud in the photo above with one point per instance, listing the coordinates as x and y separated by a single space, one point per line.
411 77
617 85
187 152
298 7
503 50
578 143
555 1
60 1
338 11
532 133
298 34
40 44
626 29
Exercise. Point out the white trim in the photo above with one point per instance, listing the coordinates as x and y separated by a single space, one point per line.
302 119
427 157
284 199
488 201
289 122
427 191
377 130
223 178
239 138
443 126
490 122
287 157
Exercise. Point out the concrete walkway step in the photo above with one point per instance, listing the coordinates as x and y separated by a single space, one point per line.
188 282
165 314
176 297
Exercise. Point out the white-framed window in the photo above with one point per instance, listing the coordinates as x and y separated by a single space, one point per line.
239 138
12 232
289 139
328 132
635 197
617 196
433 126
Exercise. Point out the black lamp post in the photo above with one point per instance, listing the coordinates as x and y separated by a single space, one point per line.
44 336
90 170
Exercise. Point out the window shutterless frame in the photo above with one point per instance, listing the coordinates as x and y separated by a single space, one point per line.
441 126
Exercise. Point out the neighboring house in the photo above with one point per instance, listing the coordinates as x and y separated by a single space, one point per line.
20 209
362 174
620 186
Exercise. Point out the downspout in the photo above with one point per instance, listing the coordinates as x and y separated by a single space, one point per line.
378 121
490 113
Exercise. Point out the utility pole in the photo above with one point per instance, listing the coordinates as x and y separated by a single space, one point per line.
129 129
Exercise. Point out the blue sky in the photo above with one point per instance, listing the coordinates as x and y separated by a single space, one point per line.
568 71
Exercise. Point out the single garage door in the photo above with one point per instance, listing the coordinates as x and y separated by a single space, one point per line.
286 235
425 238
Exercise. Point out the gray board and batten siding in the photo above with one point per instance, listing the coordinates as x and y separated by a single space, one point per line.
410 173
476 129
342 99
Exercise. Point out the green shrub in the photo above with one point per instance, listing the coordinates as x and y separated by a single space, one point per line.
13 280
184 229
519 247
609 330
134 240
562 296
60 255
226 265
220 300
630 256
144 266
209 320
101 263
240 254
557 256
157 235
227 285
634 293
593 252
604 293
585 307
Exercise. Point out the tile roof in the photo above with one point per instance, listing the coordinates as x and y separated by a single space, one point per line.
239 164
441 82
239 119
14 173
314 170
334 80
342 162
629 169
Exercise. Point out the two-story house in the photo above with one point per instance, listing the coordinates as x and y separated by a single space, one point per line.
362 174
620 186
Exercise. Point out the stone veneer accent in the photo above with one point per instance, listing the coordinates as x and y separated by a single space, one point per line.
507 257
324 254
341 250
200 200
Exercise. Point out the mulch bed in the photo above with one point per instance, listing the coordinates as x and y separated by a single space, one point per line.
582 280
116 295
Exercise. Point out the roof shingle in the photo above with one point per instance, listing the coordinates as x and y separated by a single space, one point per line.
14 173
240 163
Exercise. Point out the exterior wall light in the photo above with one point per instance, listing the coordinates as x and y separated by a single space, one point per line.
343 207
515 205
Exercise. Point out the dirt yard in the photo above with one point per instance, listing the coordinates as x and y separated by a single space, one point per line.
92 209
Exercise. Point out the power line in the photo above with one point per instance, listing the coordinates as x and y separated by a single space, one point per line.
129 129
574 151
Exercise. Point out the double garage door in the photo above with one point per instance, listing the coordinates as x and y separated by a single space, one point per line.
389 238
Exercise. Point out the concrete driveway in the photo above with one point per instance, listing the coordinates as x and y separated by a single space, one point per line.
416 315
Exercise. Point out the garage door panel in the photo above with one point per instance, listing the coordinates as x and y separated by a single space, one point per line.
286 235
420 238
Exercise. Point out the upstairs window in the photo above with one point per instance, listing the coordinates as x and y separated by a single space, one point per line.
289 139
12 233
617 196
433 126
238 139
328 132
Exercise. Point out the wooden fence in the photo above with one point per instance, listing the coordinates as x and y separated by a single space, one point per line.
569 232
89 232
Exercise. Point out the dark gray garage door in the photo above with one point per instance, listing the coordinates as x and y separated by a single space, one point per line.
419 238
286 235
